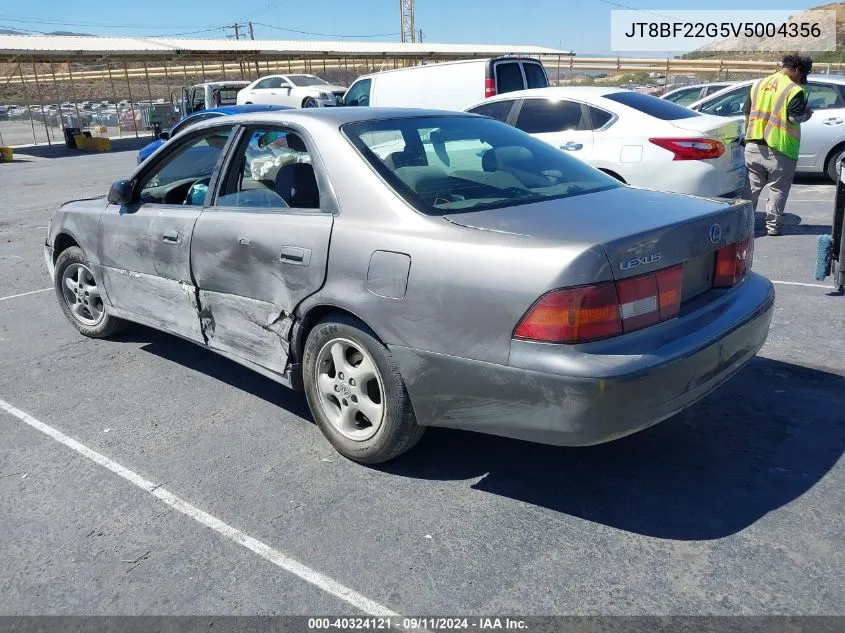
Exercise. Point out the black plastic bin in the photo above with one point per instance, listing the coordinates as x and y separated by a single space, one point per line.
70 143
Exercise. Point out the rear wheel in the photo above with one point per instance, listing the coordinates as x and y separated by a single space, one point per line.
310 102
80 296
356 394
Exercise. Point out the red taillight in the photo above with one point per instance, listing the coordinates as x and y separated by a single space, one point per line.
489 88
589 313
691 148
573 316
733 262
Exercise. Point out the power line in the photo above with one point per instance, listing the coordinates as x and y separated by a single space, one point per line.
623 6
264 9
279 28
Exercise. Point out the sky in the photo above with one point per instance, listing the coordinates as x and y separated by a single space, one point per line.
579 25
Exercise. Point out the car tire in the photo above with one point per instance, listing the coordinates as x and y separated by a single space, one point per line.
80 298
310 102
831 164
349 374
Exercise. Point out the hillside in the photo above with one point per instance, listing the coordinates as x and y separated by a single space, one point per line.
769 48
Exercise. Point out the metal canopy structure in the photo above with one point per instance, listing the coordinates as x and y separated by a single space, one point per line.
53 48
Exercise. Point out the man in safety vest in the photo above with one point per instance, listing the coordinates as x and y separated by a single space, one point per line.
775 110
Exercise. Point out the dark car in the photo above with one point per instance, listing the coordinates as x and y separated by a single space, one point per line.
203 115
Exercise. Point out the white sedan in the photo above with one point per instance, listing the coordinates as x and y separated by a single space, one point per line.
641 140
822 137
293 91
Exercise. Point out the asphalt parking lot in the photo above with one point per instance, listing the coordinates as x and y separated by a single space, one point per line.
733 507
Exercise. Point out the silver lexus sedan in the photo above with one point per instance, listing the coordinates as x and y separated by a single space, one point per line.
414 268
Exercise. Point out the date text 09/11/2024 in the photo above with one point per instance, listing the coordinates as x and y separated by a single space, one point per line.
793 30
419 623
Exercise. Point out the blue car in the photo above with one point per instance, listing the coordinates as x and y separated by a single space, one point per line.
202 115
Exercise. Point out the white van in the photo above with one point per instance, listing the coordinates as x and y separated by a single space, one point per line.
448 85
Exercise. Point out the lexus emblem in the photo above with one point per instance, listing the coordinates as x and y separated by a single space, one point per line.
715 233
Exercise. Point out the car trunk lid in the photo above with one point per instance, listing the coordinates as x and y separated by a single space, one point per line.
640 230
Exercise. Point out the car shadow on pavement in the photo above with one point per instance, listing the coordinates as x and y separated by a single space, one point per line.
759 442
211 364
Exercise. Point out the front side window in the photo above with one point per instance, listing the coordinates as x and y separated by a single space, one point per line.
272 171
498 110
471 163
714 88
359 93
539 116
508 77
729 104
182 176
684 97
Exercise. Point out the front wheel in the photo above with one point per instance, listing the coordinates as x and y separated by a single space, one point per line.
832 172
310 102
356 393
80 296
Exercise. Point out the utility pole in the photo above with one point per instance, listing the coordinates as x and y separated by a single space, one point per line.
252 37
406 11
421 36
237 32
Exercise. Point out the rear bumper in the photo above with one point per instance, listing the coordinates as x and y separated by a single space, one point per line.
588 394
694 177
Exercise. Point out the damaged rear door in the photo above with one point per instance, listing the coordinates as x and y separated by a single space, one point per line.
145 246
262 247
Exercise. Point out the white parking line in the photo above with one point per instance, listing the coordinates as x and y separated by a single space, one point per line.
796 283
23 294
276 557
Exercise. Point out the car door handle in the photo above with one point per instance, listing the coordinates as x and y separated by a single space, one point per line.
571 146
171 238
834 121
295 255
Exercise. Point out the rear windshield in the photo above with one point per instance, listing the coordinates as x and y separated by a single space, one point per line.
445 165
229 96
652 106
535 76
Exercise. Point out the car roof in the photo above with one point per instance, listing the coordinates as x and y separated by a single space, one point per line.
709 83
238 109
343 114
559 92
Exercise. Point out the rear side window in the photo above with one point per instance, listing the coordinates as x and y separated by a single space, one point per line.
599 118
508 77
359 93
535 76
652 106
498 110
542 115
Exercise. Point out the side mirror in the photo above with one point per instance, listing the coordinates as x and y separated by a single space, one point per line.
121 192
163 136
